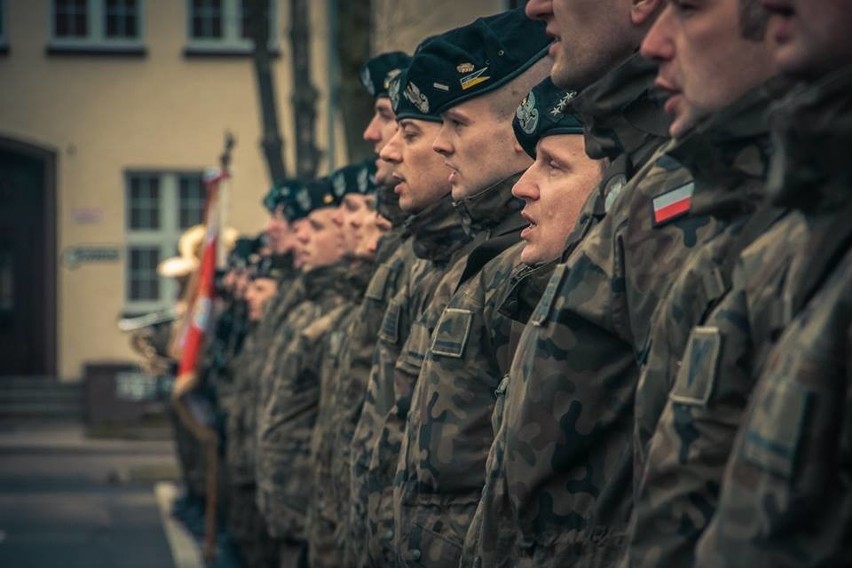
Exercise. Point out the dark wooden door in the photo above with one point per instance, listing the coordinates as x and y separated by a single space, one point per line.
26 267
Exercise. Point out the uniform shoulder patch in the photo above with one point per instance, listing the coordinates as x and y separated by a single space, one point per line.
452 333
774 429
378 284
672 204
697 375
389 331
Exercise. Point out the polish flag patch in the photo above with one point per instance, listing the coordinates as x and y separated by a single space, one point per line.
673 204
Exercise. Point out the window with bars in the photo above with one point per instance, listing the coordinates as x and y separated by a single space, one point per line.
109 24
222 25
159 207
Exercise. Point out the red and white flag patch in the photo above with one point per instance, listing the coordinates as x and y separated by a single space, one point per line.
673 204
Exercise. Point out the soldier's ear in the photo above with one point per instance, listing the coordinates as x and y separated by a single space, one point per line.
644 12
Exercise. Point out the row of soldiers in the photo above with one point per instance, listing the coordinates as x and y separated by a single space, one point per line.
608 319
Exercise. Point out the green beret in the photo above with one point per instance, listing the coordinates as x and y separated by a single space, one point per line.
545 111
359 177
377 72
313 194
472 60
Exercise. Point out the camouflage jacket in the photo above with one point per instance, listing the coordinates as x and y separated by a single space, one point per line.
624 126
491 219
784 498
563 489
436 237
730 150
356 361
246 371
448 431
287 416
323 520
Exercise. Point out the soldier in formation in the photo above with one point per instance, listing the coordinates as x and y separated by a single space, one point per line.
589 303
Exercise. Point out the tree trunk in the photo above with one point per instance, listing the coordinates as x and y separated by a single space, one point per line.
353 49
304 92
271 142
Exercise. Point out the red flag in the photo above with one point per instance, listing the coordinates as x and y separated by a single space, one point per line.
201 306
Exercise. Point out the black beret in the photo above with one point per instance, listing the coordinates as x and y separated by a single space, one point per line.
408 101
377 72
310 195
359 177
273 266
281 191
472 60
244 249
545 111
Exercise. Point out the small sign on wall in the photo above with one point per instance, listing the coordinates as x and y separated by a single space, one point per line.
83 254
87 215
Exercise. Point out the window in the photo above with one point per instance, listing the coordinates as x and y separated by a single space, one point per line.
221 26
159 206
99 25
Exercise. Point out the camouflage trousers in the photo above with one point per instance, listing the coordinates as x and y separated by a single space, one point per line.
247 527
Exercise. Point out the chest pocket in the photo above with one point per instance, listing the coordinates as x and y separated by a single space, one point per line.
452 333
389 331
545 305
697 375
378 284
775 427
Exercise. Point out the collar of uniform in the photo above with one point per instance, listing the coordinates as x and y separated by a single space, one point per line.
360 270
621 115
527 285
812 132
491 208
387 205
729 149
324 280
437 231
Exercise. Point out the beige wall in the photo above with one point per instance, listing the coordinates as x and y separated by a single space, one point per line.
104 115
402 24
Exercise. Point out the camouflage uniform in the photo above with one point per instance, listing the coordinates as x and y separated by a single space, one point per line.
287 414
436 237
729 155
558 474
448 431
491 219
356 360
784 498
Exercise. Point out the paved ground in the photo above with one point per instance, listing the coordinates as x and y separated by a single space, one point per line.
67 501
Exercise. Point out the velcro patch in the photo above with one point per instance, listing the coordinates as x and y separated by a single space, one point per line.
775 428
545 304
673 204
452 333
697 374
390 324
378 284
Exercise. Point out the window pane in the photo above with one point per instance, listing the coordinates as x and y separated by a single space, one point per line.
190 200
143 283
206 19
121 18
144 203
70 18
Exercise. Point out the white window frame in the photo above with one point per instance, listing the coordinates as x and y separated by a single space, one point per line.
97 38
165 237
231 40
